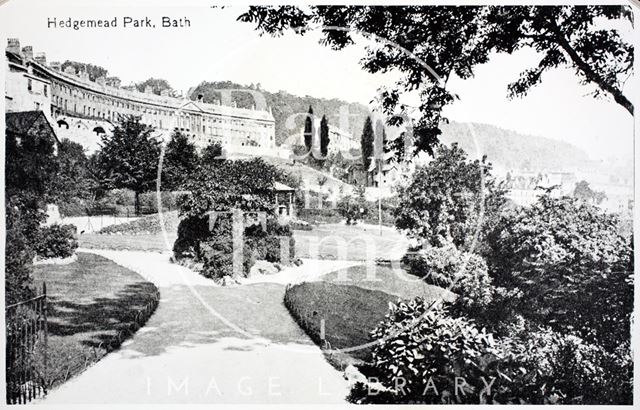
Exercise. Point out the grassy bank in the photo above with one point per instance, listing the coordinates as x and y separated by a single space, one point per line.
94 305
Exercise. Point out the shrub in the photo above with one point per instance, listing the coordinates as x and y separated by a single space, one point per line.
216 253
418 345
353 209
319 215
571 265
427 352
564 368
56 241
191 232
18 257
214 247
300 225
449 268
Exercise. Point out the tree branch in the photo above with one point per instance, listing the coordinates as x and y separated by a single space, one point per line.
588 72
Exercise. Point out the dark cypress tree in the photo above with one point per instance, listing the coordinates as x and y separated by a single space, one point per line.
308 130
366 143
324 136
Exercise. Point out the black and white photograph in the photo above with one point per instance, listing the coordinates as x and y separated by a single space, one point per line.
418 203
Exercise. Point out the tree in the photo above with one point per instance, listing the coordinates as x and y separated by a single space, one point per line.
324 136
584 192
211 154
94 71
451 199
353 208
129 158
158 85
180 161
568 266
30 167
436 43
226 185
308 130
74 179
367 144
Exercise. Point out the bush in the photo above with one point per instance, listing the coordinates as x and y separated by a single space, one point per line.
447 267
419 345
56 241
319 215
571 265
354 208
191 232
18 256
214 247
300 225
427 352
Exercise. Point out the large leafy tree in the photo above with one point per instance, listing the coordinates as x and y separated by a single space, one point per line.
567 266
451 199
324 136
158 85
74 178
211 154
584 192
226 185
129 158
429 45
94 71
180 161
30 167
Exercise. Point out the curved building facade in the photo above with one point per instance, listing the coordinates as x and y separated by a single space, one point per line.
85 109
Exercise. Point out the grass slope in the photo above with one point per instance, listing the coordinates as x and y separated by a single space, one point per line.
145 225
352 308
94 305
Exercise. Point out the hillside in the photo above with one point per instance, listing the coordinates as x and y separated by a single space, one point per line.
284 105
512 150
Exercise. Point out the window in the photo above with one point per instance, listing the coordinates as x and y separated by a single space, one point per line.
45 91
29 85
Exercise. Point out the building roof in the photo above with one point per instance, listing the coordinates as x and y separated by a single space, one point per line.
28 122
280 187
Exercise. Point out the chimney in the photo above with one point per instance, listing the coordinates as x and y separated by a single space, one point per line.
13 45
27 52
101 80
164 93
200 98
84 75
41 58
55 65
148 89
70 70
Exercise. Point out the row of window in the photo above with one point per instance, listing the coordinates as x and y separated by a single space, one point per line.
141 108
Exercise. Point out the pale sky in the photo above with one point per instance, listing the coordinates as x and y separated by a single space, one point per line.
216 47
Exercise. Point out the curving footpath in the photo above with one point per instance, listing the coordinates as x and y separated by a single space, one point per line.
210 344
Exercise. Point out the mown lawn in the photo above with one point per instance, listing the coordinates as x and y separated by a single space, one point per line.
355 242
352 308
389 279
93 305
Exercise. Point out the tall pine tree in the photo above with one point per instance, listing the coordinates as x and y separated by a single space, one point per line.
324 136
366 144
308 130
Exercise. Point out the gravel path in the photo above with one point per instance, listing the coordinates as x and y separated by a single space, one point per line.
209 344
